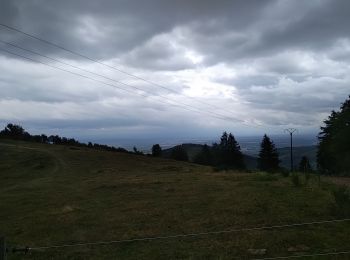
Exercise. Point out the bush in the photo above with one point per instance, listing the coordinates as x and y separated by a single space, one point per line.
220 168
266 177
307 176
296 179
342 200
284 172
179 153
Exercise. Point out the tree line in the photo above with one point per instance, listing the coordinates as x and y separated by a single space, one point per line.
333 150
17 132
226 154
333 156
333 153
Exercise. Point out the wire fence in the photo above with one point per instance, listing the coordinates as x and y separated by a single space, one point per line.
190 234
101 243
303 256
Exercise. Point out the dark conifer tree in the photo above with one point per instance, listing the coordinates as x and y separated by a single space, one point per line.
234 151
268 157
223 139
228 152
333 156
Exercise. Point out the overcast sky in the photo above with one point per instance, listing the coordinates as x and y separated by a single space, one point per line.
248 67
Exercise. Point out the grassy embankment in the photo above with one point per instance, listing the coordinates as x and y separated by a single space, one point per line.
57 195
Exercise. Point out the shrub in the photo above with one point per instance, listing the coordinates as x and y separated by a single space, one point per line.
220 168
342 200
284 172
266 177
307 176
296 179
179 153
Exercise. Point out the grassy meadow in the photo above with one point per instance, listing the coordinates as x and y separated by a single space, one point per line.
54 195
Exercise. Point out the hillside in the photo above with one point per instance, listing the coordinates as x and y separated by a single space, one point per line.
298 152
54 195
193 149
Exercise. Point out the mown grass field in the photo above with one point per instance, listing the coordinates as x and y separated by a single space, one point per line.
53 195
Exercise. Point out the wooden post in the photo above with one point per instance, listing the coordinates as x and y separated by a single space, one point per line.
2 248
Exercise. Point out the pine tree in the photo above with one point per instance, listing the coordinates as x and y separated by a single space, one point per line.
333 156
235 154
268 157
223 139
228 152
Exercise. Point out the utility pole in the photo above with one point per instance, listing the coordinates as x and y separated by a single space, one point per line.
291 131
2 248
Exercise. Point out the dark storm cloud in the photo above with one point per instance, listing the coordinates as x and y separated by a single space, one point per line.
314 26
274 61
8 12
224 30
108 28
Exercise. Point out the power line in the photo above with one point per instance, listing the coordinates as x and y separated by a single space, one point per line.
108 78
187 235
102 63
212 114
307 255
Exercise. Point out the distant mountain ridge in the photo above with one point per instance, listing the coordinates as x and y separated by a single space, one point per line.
252 161
298 152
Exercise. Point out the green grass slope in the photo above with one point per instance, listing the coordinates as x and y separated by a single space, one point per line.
53 195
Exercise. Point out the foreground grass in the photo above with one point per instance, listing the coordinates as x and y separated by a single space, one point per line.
52 195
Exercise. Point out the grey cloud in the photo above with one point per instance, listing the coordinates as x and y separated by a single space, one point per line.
304 98
325 22
124 24
158 54
286 61
320 24
254 80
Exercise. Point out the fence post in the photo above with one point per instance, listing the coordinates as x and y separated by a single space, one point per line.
2 248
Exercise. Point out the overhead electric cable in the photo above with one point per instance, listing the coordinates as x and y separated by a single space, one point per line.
114 86
104 64
117 81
